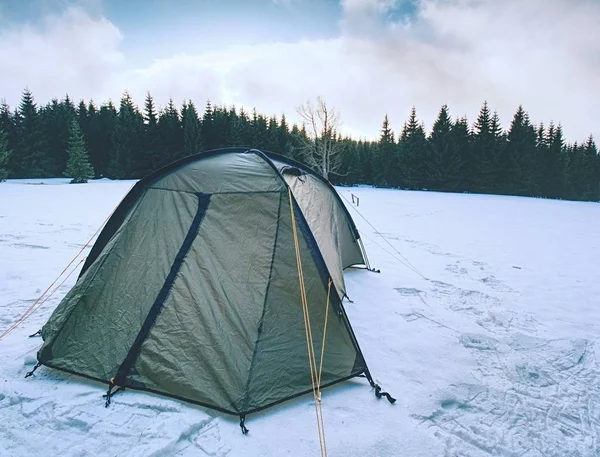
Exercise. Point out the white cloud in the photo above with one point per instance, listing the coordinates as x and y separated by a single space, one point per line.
461 52
69 53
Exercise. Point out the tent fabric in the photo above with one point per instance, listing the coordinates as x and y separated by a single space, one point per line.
192 288
329 223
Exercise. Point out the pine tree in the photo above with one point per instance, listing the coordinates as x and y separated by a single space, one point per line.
192 129
239 130
385 174
574 172
85 117
284 143
221 126
591 175
150 155
29 158
56 121
258 130
208 128
82 116
552 165
272 140
444 165
297 138
171 134
521 155
101 141
4 155
365 160
461 147
127 140
413 153
7 125
483 166
78 164
6 119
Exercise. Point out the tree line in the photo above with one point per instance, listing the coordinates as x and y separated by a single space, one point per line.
126 142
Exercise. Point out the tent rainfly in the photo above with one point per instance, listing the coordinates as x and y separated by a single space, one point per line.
192 289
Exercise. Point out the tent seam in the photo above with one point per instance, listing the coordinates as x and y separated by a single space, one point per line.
354 374
260 325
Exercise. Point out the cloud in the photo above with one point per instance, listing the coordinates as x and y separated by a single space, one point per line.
68 53
541 54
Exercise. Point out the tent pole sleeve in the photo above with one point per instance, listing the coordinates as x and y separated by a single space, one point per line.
134 351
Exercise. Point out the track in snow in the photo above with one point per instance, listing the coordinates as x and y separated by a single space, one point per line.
530 397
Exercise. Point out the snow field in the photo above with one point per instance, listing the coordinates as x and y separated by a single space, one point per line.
492 352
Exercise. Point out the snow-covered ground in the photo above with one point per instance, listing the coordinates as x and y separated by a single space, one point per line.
492 352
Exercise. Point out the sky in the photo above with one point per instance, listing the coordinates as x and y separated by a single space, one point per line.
365 58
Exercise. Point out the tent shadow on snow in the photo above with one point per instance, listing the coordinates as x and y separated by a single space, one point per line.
200 285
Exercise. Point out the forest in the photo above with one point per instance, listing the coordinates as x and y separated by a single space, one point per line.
85 141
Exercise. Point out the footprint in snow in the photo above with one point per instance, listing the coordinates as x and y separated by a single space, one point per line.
537 397
480 342
408 291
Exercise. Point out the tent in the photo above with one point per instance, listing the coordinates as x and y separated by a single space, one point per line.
193 288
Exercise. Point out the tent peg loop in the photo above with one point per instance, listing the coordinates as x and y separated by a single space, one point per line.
242 426
379 393
109 393
34 368
374 270
38 333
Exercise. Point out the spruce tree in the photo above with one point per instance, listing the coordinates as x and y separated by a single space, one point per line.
521 164
127 140
461 148
413 153
208 128
239 130
8 126
284 143
444 165
82 116
541 146
297 138
102 136
78 164
272 140
221 126
150 155
349 167
574 172
192 129
29 158
258 130
482 167
6 119
171 134
553 171
56 121
591 175
4 155
385 173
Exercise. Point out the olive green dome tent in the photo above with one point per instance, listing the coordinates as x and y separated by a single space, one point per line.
193 290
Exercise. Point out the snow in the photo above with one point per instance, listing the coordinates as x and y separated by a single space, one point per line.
483 323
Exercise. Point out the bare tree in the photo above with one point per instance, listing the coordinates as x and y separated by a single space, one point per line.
321 147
